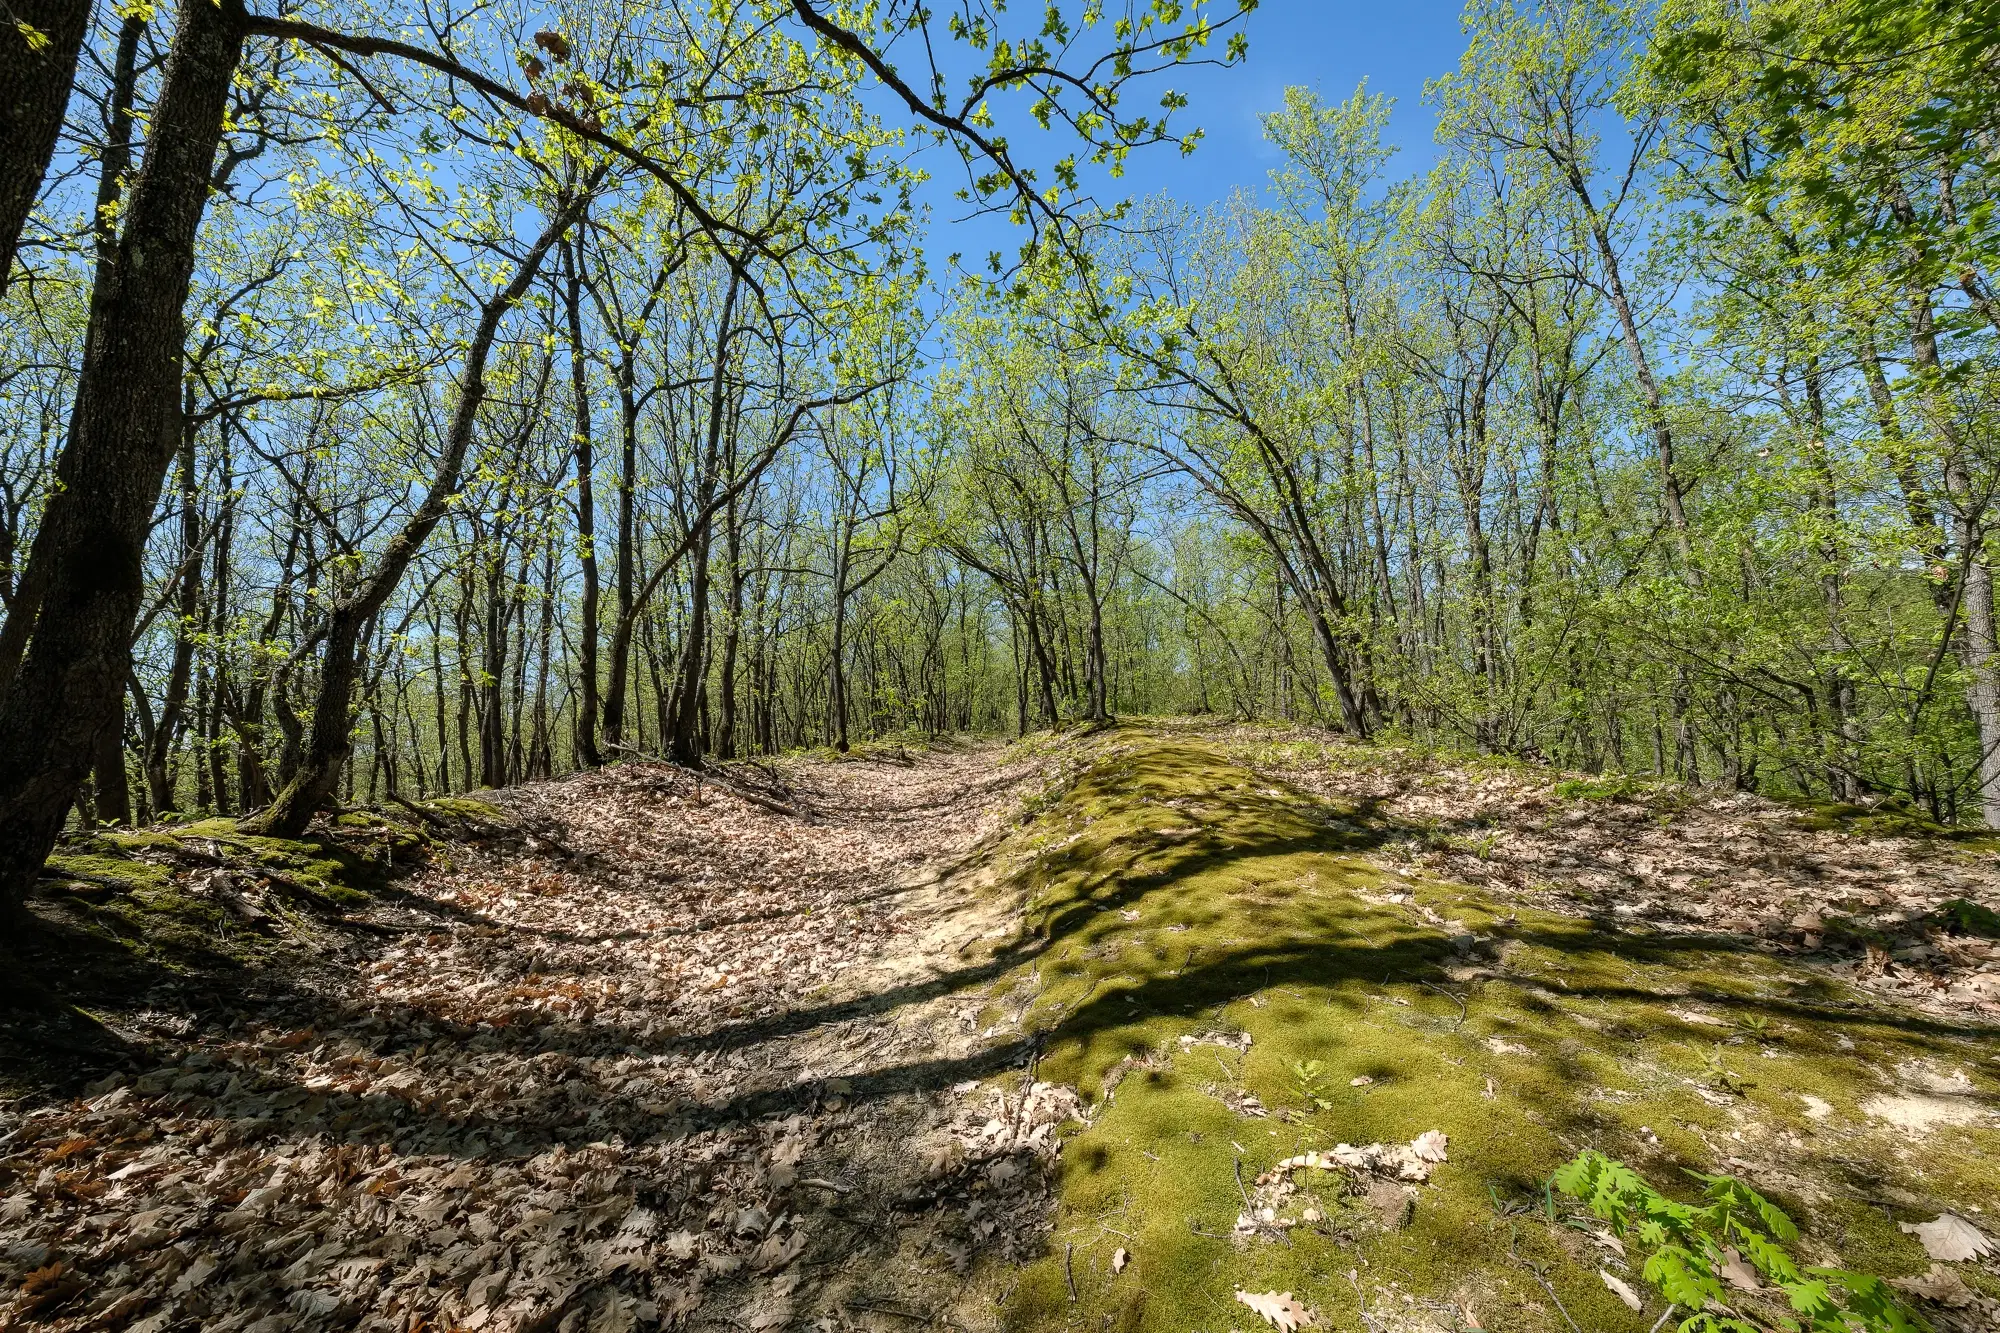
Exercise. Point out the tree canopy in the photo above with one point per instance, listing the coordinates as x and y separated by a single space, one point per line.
409 401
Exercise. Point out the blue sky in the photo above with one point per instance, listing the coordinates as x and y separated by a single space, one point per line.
1327 45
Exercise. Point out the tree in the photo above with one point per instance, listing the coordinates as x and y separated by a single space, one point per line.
673 125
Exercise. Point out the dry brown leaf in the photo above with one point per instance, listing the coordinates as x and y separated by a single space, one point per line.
1951 1238
775 1252
1431 1146
1621 1289
1739 1273
1278 1307
1940 1285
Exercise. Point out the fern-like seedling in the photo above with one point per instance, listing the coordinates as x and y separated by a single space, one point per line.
1314 1084
1724 1260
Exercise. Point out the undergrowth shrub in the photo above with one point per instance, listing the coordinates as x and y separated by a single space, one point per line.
1703 1256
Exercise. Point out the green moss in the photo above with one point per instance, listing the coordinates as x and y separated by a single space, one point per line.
1173 894
1962 916
132 841
466 807
102 863
1611 787
1892 818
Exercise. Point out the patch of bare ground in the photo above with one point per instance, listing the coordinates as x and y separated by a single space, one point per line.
695 1052
1910 918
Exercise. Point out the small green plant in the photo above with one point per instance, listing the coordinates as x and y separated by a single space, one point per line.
1720 1075
1314 1084
1757 1025
1965 917
1480 845
1724 1260
1610 787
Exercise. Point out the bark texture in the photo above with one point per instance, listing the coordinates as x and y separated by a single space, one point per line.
123 433
35 81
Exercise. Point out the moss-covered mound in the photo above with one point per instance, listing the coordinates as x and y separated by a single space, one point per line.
127 923
1215 962
151 888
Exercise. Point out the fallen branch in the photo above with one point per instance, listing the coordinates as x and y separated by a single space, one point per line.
741 792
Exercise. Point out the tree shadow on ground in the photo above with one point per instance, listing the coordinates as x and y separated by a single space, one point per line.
1214 867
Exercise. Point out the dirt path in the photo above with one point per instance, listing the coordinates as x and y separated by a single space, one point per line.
763 1056
679 1059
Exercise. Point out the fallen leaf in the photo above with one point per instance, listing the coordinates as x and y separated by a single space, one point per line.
1621 1289
1119 1258
1278 1307
1940 1285
1951 1238
1738 1273
1431 1145
775 1252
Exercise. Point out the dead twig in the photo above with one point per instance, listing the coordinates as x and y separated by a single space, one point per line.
1457 999
1069 1268
1361 1298
1513 1244
886 1309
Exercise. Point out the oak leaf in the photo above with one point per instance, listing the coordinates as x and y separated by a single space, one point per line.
1738 1272
1278 1307
1951 1238
1940 1285
1431 1146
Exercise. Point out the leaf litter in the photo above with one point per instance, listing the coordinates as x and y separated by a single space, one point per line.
660 1062
1895 907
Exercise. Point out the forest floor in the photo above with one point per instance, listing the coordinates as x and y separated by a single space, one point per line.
1094 1031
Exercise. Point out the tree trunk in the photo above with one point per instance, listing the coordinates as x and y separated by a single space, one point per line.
114 792
123 432
1979 651
1642 370
732 636
26 600
684 741
34 94
333 723
586 513
619 663
837 667
160 763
